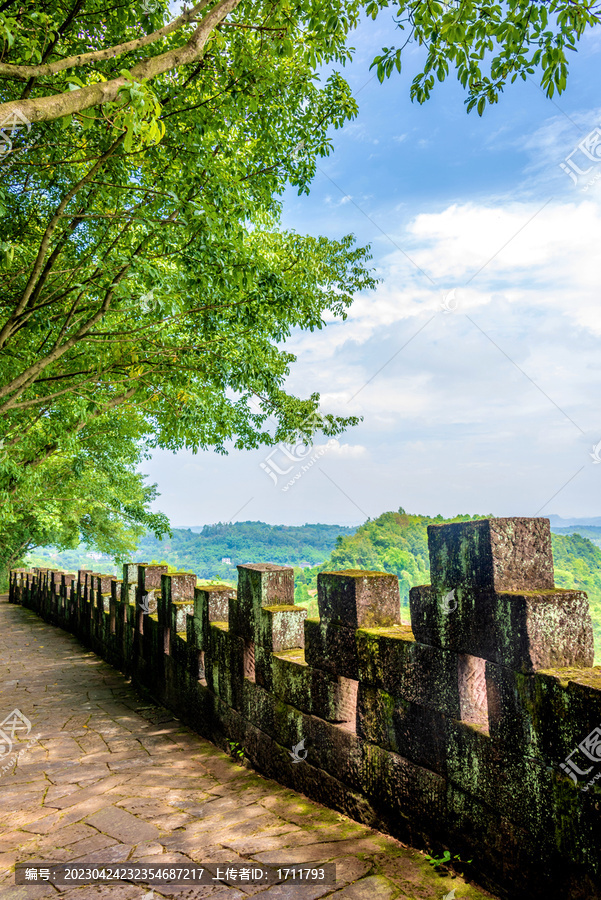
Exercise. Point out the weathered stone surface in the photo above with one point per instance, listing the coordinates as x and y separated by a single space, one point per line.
223 663
393 660
410 795
358 599
281 627
415 732
523 631
311 690
120 824
179 586
331 647
149 576
180 610
511 554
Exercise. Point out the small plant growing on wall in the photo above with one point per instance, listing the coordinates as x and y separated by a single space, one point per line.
237 751
447 861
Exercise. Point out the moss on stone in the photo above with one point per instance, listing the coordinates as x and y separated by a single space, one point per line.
359 573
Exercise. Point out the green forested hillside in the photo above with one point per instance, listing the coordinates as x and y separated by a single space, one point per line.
243 542
592 532
202 552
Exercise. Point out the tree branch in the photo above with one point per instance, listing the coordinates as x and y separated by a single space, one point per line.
84 59
48 109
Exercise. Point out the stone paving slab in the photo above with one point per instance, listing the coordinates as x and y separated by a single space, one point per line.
111 777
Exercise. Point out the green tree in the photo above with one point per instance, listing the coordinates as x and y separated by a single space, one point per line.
88 493
488 44
148 284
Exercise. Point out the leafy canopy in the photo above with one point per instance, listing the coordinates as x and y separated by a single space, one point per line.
148 286
489 44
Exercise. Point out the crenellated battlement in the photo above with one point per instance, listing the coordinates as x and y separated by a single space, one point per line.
477 728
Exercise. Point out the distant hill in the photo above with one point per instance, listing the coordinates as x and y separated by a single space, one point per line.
243 542
558 522
203 550
592 532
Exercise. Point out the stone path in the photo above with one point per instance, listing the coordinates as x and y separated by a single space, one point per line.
114 778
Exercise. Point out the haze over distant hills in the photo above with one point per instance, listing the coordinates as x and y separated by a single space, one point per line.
558 522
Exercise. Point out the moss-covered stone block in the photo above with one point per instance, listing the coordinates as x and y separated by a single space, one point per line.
356 599
331 647
412 797
210 605
224 662
415 732
511 710
391 659
520 788
493 597
516 866
179 652
276 628
548 715
520 630
173 588
259 585
511 554
576 815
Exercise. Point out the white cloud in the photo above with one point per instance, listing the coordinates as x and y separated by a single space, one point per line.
347 451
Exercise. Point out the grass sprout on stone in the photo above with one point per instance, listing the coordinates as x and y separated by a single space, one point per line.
447 859
237 751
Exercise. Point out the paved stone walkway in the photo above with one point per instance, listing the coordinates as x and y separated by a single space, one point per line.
114 778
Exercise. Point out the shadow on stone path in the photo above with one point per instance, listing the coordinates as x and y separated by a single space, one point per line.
112 778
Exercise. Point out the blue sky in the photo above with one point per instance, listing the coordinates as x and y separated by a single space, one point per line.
476 362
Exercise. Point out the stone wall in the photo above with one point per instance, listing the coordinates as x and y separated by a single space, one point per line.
477 728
